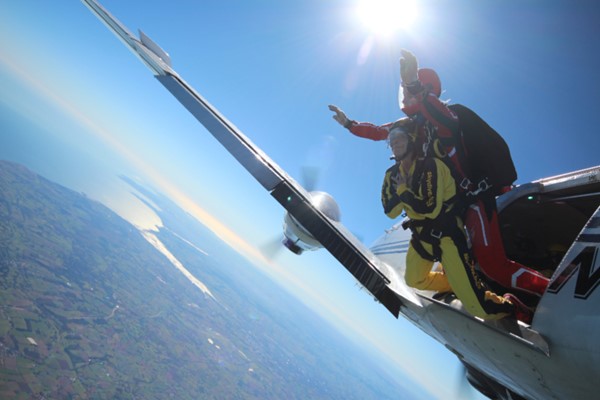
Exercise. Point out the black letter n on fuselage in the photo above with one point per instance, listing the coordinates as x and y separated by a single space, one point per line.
588 277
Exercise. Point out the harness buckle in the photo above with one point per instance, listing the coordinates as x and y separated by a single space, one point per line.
465 183
483 186
436 234
406 224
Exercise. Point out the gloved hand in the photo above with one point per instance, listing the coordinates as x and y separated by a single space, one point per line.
397 180
340 116
408 67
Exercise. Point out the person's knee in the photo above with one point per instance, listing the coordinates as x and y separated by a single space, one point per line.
415 281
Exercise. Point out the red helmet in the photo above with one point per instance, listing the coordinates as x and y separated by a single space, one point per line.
430 80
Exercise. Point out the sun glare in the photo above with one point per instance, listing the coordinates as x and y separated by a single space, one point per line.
384 17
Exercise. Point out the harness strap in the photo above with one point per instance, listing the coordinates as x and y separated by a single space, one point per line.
420 249
431 231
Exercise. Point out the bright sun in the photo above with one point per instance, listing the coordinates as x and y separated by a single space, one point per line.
384 17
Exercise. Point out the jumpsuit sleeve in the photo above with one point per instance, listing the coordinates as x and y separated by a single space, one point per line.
371 131
390 199
428 200
446 125
440 116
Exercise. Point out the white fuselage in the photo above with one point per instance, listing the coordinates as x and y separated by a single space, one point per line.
557 357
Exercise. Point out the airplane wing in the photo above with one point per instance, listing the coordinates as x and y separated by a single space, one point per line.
374 275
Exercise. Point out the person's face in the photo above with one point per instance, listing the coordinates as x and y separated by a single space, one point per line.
399 146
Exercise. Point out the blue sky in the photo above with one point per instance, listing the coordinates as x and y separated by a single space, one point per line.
272 67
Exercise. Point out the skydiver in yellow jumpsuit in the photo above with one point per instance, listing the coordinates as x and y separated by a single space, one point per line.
425 190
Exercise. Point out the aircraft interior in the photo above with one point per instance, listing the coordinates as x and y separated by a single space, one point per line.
538 229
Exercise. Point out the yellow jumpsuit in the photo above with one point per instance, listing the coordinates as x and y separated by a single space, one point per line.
424 200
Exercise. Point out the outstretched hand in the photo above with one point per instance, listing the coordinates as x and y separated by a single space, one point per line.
339 116
408 67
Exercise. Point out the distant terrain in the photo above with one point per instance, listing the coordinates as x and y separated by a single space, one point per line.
91 310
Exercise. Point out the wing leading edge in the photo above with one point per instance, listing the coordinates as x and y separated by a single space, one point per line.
374 275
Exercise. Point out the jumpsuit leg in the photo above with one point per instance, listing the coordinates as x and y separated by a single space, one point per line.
489 252
469 289
418 273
